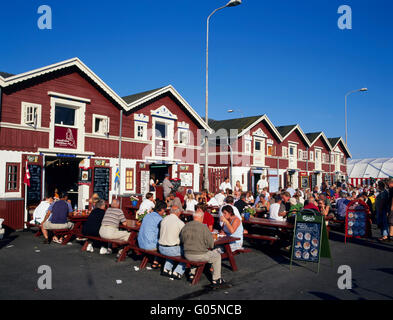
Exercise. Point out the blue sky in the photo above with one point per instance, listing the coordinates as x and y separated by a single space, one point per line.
285 58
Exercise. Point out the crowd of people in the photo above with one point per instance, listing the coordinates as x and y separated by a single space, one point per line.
162 229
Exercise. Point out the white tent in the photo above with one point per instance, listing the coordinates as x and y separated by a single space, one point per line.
379 168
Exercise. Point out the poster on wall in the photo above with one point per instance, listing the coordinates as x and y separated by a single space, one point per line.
145 182
65 138
186 179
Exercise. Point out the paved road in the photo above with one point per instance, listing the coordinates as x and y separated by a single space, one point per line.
263 274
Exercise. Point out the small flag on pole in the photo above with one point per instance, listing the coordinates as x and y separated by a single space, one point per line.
117 176
26 179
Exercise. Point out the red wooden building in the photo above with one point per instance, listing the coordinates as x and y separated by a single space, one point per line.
65 122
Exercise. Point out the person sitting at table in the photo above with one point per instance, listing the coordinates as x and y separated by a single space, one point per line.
203 197
220 197
41 211
295 207
93 200
208 219
57 218
113 217
179 194
213 201
93 224
147 204
310 203
150 230
232 227
241 203
172 200
249 198
229 201
277 211
169 243
263 206
197 240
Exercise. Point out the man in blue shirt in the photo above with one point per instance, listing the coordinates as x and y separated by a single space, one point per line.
149 231
57 218
341 205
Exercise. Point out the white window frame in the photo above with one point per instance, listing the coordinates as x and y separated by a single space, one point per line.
105 118
140 124
36 123
311 155
267 149
285 152
187 132
300 152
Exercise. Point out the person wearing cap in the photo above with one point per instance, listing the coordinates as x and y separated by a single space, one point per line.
167 186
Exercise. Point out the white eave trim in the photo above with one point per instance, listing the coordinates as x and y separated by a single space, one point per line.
69 97
172 90
270 124
345 147
297 127
62 65
322 134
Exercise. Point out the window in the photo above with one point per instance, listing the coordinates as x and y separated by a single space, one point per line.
161 131
284 152
247 147
291 151
269 150
183 136
12 177
258 146
65 116
100 124
129 179
300 155
311 155
31 114
323 157
305 155
140 130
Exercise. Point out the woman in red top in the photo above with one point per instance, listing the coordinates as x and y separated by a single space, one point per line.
207 217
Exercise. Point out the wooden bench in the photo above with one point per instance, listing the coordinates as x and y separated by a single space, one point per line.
32 225
200 265
271 239
128 245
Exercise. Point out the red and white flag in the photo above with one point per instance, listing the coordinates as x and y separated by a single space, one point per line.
26 179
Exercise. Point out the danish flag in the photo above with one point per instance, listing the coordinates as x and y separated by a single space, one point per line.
27 176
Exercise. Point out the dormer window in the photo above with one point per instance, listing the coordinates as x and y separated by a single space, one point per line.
31 114
100 124
140 126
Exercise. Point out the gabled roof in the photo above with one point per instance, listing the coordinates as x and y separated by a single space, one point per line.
285 131
335 141
74 62
314 136
243 125
5 74
138 99
135 97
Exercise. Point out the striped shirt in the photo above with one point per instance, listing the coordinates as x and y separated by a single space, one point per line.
113 217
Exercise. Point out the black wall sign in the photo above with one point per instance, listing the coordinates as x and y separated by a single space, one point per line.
34 191
102 182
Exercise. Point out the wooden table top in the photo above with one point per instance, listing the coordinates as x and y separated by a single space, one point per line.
269 222
225 240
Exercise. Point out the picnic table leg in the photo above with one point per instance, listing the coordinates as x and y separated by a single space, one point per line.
144 262
123 255
38 233
85 245
231 258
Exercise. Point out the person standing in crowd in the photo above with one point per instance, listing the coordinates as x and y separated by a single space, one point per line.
225 185
190 202
93 224
238 187
152 185
113 217
197 240
169 243
149 231
41 211
167 186
261 184
57 218
341 205
147 204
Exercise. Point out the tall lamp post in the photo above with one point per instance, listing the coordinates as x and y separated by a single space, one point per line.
231 3
346 123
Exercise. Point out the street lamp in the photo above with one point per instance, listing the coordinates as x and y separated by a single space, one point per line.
231 3
346 122
232 111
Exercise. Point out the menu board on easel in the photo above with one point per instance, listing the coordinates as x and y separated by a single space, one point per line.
310 240
102 182
34 191
357 221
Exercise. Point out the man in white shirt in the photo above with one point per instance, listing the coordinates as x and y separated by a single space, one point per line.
290 190
40 212
220 197
225 185
213 202
262 183
147 204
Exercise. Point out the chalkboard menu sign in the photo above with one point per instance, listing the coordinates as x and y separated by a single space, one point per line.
310 240
357 221
34 191
102 182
